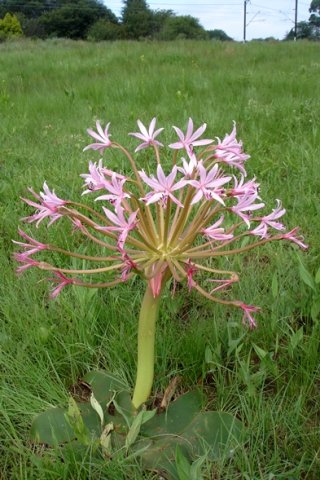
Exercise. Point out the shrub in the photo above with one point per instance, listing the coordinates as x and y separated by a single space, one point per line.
104 30
10 26
219 35
183 27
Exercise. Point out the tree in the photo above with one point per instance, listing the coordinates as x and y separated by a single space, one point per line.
315 7
137 19
61 18
219 35
183 27
314 18
308 30
28 8
73 19
159 17
305 30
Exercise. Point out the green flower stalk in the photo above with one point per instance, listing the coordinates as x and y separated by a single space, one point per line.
163 227
149 313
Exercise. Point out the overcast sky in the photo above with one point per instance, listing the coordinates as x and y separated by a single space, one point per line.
265 18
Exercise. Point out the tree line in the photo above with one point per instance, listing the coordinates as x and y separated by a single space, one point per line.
92 20
310 29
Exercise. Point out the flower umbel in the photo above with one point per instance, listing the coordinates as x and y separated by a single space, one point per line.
192 213
179 224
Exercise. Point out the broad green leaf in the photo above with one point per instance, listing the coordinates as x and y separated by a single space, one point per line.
104 385
197 434
51 427
213 434
317 277
179 413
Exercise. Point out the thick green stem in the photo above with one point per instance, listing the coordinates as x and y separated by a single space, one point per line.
146 340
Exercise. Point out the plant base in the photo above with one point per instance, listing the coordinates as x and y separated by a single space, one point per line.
109 426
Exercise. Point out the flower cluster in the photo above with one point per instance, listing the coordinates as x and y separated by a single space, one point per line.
177 223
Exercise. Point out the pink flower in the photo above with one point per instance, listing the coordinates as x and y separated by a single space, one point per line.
147 137
245 204
117 195
95 179
276 213
216 233
102 136
128 266
295 239
247 317
209 184
189 140
62 281
229 151
48 206
229 144
223 283
26 262
30 248
240 188
261 231
77 225
109 173
162 186
269 221
235 161
120 223
191 269
188 168
155 282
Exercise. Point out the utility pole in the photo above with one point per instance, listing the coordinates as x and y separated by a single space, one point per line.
245 20
295 21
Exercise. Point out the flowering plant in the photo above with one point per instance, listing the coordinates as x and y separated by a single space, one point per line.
176 223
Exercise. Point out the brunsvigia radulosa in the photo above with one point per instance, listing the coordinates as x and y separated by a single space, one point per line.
160 226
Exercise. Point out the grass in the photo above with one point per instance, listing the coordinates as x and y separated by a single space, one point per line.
49 93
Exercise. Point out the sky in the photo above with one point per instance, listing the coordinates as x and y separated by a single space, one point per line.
265 18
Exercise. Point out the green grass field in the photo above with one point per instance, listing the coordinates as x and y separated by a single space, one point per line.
50 92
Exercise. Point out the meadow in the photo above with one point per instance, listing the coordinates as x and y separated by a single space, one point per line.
50 92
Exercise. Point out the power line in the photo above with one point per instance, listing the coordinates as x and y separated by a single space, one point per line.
266 8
